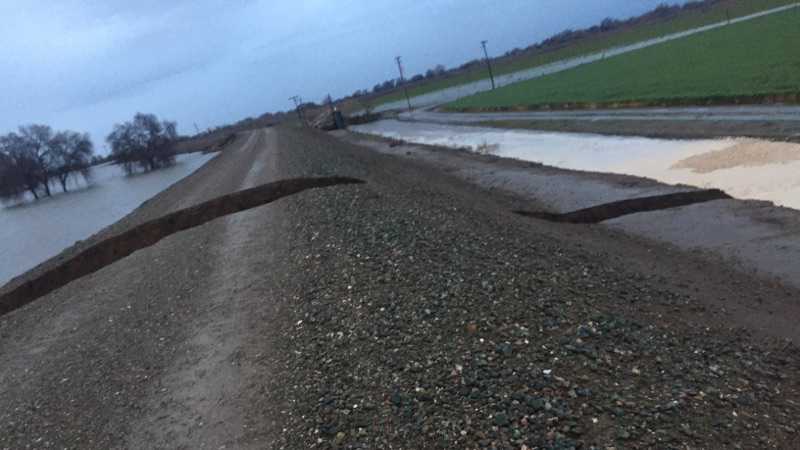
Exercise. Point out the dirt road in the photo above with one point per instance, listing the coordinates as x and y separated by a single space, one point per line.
415 311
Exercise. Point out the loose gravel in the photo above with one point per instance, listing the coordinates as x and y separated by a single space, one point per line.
413 312
423 316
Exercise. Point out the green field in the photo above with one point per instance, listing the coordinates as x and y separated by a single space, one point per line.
686 21
749 59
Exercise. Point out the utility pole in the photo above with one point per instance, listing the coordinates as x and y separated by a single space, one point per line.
336 115
330 104
197 130
297 103
403 81
488 62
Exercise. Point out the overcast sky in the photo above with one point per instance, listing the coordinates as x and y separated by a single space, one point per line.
87 64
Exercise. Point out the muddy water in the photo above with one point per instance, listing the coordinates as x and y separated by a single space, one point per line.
744 168
32 232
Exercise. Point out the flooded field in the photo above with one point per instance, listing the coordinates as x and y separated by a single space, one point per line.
31 232
744 168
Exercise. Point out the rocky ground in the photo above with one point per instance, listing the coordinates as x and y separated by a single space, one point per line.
412 312
428 317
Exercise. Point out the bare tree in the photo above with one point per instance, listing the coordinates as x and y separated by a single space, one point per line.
35 155
23 169
144 143
35 143
71 156
12 185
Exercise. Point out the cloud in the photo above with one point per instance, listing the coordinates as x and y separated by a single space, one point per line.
86 64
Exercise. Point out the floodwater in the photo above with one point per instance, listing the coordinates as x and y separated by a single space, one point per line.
744 168
32 232
452 94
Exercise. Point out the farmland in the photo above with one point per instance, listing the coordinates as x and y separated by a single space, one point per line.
742 62
715 13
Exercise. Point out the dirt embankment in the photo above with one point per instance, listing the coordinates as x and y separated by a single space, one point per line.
415 311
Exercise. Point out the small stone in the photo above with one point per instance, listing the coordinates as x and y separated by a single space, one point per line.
501 420
505 349
583 392
340 437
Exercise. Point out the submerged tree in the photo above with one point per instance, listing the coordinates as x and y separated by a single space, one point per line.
12 185
144 143
35 155
24 167
71 156
34 148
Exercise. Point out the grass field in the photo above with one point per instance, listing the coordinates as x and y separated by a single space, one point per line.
694 19
750 59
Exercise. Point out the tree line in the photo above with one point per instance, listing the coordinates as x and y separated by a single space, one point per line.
662 12
35 157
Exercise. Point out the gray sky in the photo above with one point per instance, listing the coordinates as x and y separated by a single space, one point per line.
87 64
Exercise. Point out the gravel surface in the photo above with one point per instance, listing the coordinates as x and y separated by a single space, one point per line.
427 317
415 311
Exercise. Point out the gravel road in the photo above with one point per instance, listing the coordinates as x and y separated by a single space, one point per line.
411 312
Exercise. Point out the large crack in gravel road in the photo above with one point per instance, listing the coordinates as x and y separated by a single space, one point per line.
413 312
612 210
120 246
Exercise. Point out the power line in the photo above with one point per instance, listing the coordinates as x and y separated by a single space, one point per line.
402 81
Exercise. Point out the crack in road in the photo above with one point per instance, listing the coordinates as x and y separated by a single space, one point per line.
612 210
118 247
